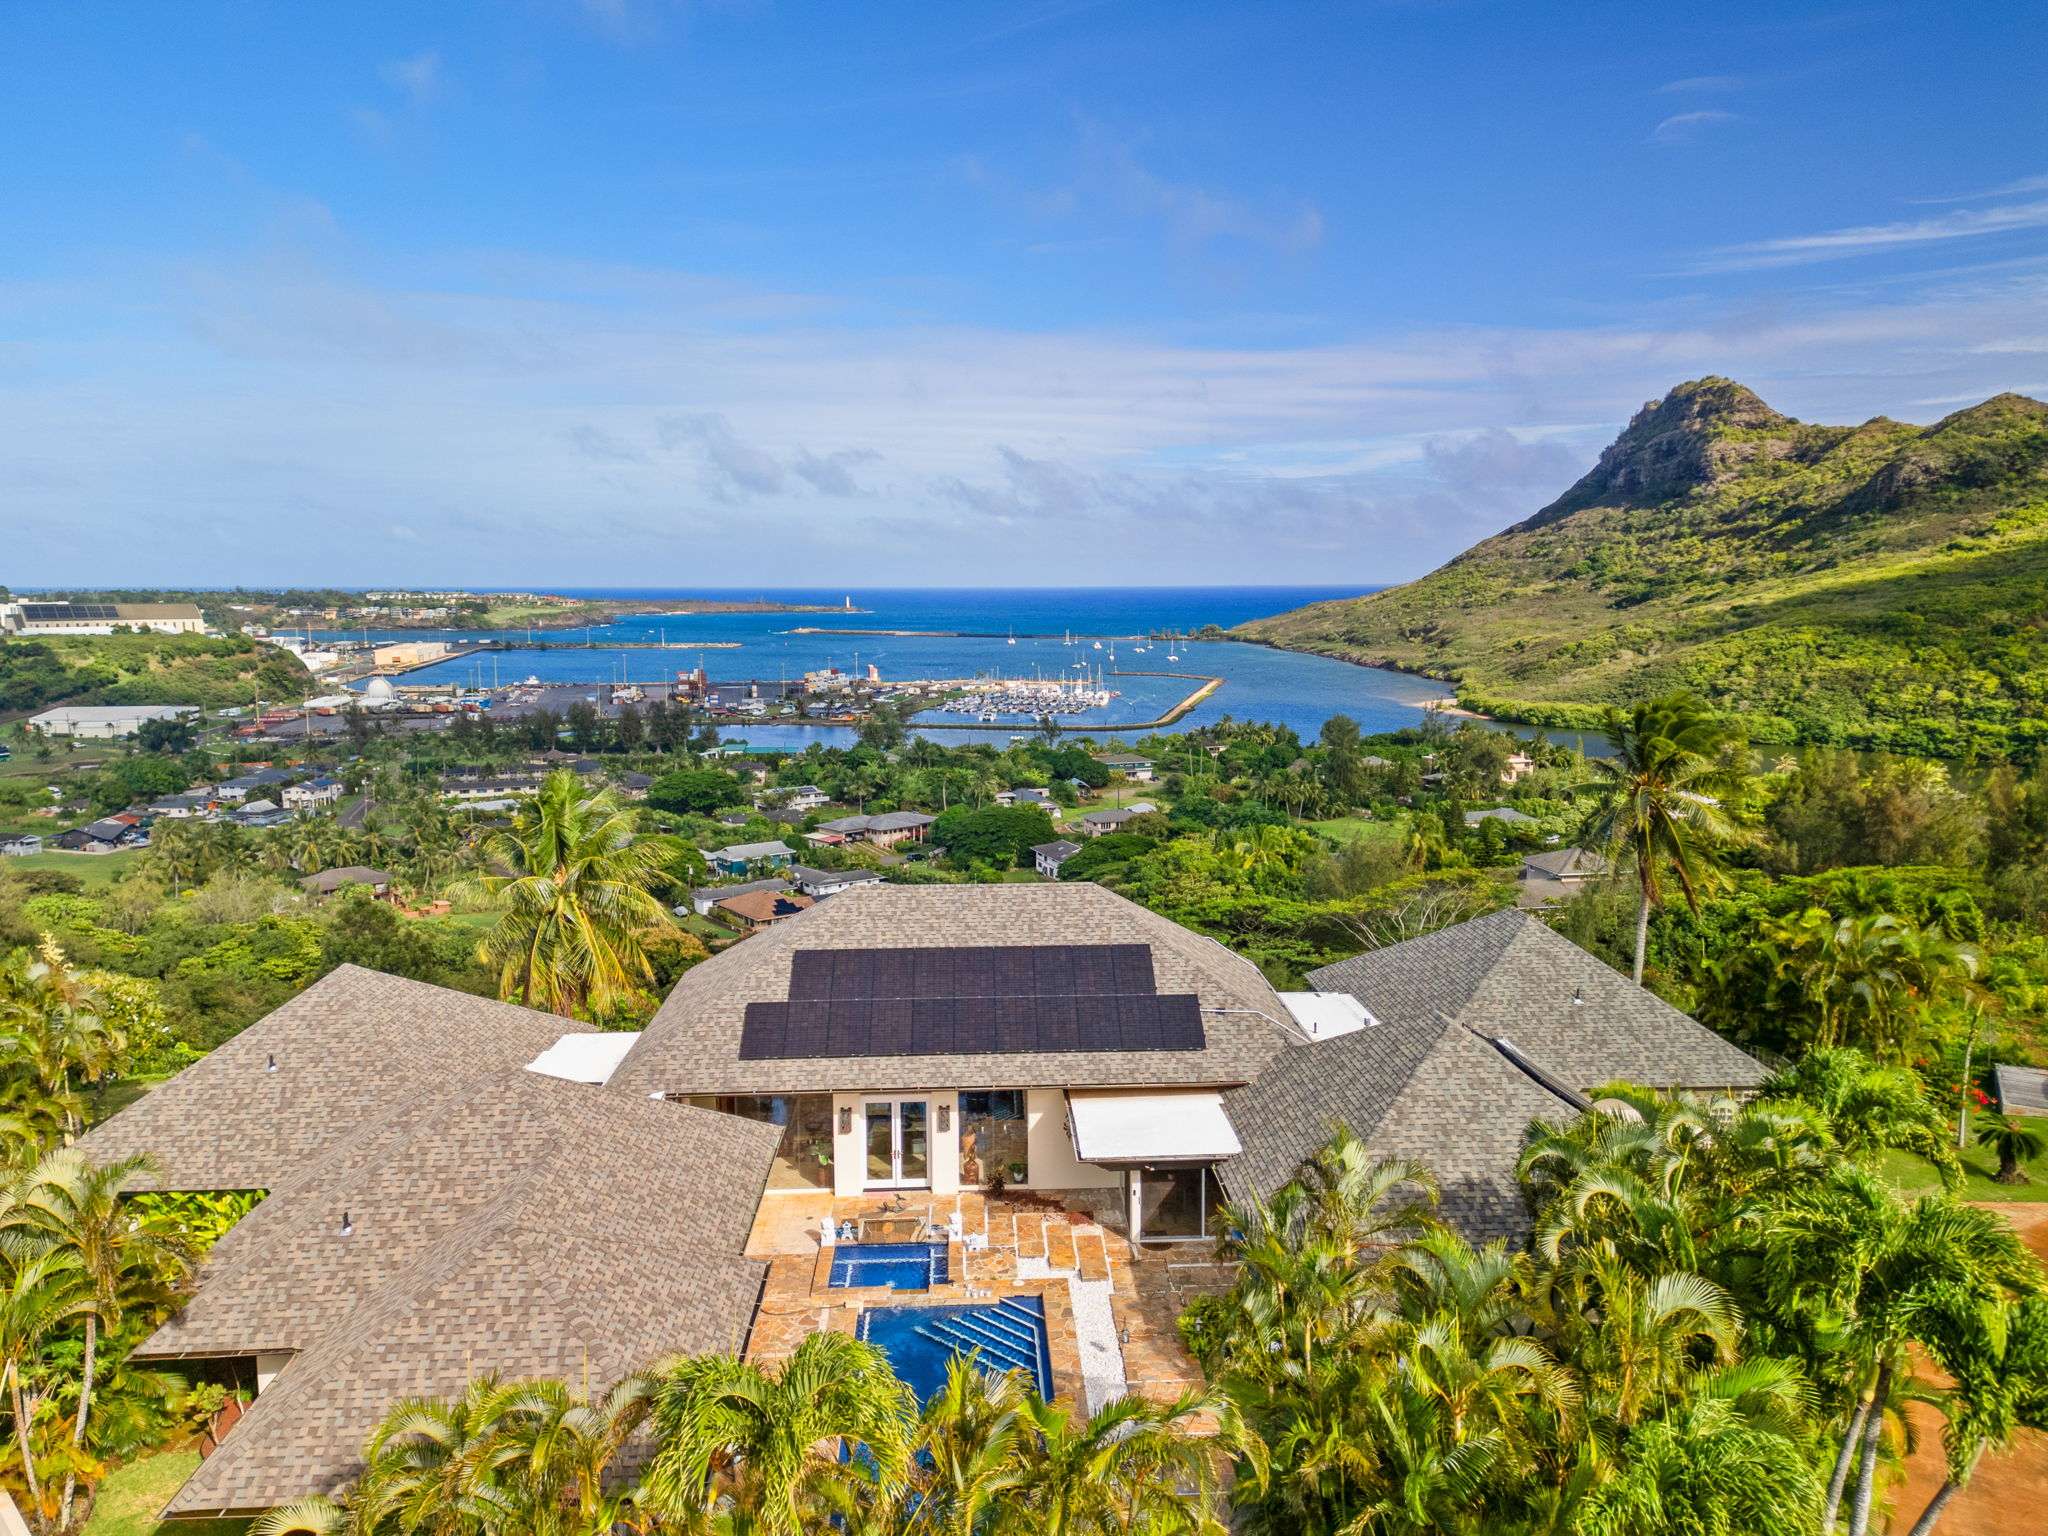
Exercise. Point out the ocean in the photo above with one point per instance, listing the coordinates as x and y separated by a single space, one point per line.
1056 634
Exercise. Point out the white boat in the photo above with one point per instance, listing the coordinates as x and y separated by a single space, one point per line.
1098 645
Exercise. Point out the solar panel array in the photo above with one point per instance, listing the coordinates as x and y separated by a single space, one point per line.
972 1001
53 613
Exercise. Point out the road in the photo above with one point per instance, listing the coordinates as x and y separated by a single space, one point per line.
356 811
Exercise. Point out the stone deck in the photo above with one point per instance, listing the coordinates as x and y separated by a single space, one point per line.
1036 1244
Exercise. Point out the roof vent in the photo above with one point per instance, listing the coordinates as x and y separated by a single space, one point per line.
1325 1015
272 1065
348 1228
1576 998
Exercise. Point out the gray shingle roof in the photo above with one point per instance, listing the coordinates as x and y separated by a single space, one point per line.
1426 1089
521 1225
1508 975
692 1044
1560 863
330 880
350 1047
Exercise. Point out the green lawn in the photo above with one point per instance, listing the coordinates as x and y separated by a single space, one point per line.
131 1496
1915 1176
1348 829
96 870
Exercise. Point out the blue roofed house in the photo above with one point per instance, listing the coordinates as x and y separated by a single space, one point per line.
738 858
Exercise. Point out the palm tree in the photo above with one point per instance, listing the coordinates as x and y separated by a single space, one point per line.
575 882
735 1438
1135 1465
1675 768
40 1299
2014 1143
69 1205
971 1445
53 1031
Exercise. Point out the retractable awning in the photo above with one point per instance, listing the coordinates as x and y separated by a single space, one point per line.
1166 1126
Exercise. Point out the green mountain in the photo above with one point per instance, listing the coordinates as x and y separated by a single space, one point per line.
1881 586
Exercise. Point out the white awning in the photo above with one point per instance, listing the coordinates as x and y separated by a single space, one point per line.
1167 1126
584 1058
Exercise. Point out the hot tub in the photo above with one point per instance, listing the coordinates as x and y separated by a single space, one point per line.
901 1266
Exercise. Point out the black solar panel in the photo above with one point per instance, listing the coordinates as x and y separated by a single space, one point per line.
985 970
971 1026
52 613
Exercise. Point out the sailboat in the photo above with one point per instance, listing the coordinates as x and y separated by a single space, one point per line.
1098 645
1013 634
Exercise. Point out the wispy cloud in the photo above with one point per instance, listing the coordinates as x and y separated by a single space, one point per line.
1701 83
1863 240
418 78
2018 188
1684 127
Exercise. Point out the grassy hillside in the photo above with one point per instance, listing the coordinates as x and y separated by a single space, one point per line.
144 669
1878 585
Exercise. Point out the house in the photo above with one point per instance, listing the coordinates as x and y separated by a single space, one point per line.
179 807
800 797
885 830
820 883
1130 766
633 786
328 881
1027 796
450 1198
759 909
2020 1090
749 772
1095 823
104 721
1519 767
1047 858
461 1187
740 857
735 818
320 791
20 845
1556 874
1506 815
261 813
107 834
705 897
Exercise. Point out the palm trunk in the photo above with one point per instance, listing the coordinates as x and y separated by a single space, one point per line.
1843 1458
85 1380
1866 1474
1642 932
22 1413
1935 1505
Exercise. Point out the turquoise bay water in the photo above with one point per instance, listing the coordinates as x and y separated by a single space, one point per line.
1260 683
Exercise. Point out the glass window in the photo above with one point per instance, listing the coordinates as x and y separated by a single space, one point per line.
1171 1201
804 1160
994 1144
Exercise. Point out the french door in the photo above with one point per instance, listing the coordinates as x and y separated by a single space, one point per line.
898 1143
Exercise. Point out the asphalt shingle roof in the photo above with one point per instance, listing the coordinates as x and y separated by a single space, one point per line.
1508 975
692 1044
520 1225
350 1047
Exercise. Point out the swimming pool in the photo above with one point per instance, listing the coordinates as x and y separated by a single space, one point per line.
902 1266
919 1341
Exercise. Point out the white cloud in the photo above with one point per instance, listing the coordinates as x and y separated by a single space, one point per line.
1684 127
417 78
1694 83
586 426
1864 239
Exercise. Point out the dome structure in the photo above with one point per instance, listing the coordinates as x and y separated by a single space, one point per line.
380 689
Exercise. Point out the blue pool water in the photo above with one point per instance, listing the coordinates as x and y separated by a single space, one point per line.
905 1266
919 1341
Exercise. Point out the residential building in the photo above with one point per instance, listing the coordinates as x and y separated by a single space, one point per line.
461 1187
261 813
322 791
180 807
1558 873
99 618
1504 814
2020 1090
1047 858
800 797
328 881
1128 764
885 830
1027 795
1095 823
104 721
757 910
703 899
820 883
1519 767
740 857
20 844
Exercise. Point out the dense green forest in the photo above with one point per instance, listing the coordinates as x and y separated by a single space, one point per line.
1881 585
213 671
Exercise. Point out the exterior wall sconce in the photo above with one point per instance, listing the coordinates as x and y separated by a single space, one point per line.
945 1119
846 1119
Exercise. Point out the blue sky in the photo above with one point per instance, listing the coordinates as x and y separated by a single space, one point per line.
576 292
